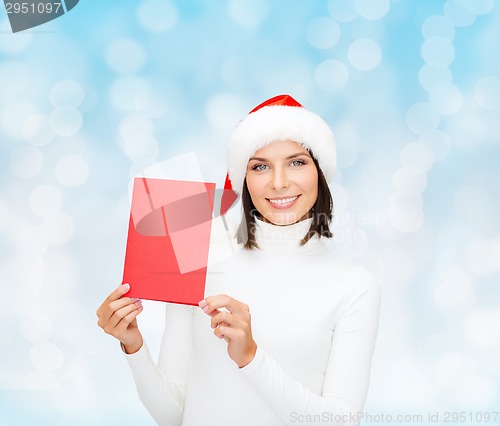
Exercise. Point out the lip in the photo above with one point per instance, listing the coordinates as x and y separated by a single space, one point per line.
284 205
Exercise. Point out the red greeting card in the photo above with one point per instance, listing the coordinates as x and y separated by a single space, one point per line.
168 240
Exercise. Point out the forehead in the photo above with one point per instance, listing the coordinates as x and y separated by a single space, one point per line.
281 148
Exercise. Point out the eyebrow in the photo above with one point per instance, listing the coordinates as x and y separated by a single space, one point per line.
287 158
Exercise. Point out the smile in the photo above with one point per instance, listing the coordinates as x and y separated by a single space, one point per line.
284 202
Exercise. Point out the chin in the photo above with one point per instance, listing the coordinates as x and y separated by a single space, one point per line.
284 219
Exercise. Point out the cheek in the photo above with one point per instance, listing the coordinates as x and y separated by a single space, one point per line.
310 184
254 188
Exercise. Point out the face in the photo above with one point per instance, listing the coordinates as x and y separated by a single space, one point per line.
282 180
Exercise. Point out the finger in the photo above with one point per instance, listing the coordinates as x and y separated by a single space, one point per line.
222 301
106 311
121 314
121 328
117 293
231 333
227 318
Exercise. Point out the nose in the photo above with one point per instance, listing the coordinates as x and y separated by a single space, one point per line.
279 179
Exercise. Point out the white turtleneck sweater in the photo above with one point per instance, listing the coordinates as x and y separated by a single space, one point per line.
314 319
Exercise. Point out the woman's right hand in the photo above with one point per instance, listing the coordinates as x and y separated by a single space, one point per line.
117 317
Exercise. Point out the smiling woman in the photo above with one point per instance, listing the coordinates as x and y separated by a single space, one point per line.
296 324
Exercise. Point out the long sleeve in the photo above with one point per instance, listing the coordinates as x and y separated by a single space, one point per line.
348 369
161 387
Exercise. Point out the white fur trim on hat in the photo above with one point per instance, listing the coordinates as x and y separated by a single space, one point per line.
274 123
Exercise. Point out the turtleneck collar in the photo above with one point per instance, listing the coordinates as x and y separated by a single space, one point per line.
286 238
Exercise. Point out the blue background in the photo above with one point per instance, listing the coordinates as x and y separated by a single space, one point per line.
412 92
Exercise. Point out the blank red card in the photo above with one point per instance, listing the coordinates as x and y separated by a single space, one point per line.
168 240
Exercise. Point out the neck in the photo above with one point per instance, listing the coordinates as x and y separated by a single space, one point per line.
286 238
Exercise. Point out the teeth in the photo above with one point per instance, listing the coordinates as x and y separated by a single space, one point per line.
283 200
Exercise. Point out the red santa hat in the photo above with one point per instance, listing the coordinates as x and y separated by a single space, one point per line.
279 118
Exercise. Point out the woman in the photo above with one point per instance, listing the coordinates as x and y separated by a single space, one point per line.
304 354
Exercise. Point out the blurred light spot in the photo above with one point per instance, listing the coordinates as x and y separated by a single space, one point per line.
223 110
14 115
364 54
416 156
473 392
157 16
13 43
385 227
248 13
124 92
24 303
141 147
409 181
66 93
480 328
46 357
477 7
65 120
432 77
37 131
125 56
438 142
487 92
26 162
135 123
483 255
58 228
422 119
331 75
438 26
71 170
446 100
323 33
372 9
90 99
438 51
46 200
4 215
340 197
61 275
475 204
150 105
466 129
18 77
457 14
38 380
405 212
342 11
454 291
28 239
36 328
452 364
10 379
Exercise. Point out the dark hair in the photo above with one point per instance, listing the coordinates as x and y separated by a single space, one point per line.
321 212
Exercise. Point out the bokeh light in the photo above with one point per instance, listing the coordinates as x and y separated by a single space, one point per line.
26 162
157 16
125 56
323 33
71 170
364 54
331 75
248 13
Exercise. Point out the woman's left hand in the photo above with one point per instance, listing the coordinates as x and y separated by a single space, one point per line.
232 325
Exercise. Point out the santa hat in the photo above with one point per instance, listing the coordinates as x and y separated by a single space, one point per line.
279 118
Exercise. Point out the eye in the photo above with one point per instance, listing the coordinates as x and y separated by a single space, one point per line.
297 163
259 167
